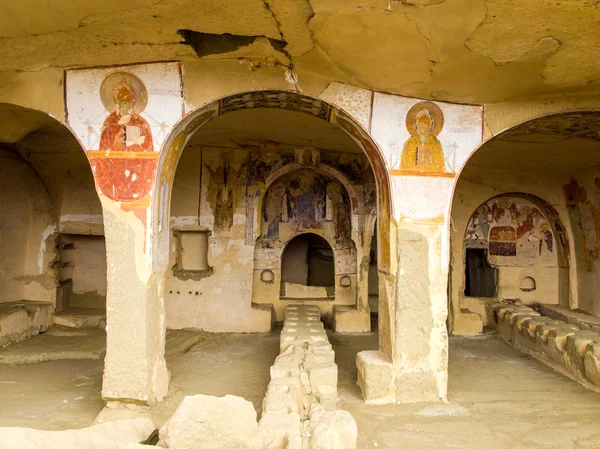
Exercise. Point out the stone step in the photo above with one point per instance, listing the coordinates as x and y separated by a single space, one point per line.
81 318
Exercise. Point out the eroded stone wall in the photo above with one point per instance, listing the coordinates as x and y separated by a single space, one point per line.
27 228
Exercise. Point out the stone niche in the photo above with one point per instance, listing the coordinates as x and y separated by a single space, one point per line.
524 243
306 241
251 204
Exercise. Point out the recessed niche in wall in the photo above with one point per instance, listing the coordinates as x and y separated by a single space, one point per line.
527 284
345 281
480 276
192 250
267 276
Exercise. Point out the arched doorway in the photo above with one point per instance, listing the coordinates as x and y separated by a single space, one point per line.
51 225
235 149
551 163
307 269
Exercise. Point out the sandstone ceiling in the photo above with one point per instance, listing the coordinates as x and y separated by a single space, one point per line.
481 51
264 127
50 148
557 145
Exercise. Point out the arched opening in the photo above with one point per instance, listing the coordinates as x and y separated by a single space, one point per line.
224 162
307 268
513 237
524 206
51 227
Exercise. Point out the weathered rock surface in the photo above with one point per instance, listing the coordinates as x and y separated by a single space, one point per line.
210 422
331 429
23 319
118 434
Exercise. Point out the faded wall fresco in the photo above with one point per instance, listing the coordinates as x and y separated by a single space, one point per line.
304 201
517 232
583 203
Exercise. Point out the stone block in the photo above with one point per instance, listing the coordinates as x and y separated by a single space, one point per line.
331 429
517 317
323 374
592 364
375 377
278 431
467 324
505 329
542 330
284 403
350 320
108 435
416 387
316 358
557 341
576 348
23 319
326 395
210 422
531 323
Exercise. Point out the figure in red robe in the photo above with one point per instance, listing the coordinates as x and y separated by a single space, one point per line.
130 177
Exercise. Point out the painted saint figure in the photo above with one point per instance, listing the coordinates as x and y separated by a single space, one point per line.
120 175
423 151
124 129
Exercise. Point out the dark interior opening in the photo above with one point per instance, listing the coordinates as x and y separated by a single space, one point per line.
308 260
480 275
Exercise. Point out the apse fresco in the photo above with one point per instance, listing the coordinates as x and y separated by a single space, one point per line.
122 118
304 201
516 232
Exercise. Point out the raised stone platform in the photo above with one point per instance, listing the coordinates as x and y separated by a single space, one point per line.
562 346
22 319
582 320
303 388
299 409
79 317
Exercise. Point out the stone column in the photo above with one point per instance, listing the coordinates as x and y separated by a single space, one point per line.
411 364
135 368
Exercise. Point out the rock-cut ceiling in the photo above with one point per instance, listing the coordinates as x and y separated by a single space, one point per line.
481 51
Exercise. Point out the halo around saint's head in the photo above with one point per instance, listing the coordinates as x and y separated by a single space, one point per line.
117 84
436 115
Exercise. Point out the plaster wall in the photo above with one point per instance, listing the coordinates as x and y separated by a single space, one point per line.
218 299
27 229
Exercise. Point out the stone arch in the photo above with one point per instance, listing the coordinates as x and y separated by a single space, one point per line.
175 143
278 225
531 159
48 175
539 241
356 206
304 235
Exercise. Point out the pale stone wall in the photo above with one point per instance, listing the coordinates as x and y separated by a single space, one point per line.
28 230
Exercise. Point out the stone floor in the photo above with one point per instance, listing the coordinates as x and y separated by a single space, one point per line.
499 398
